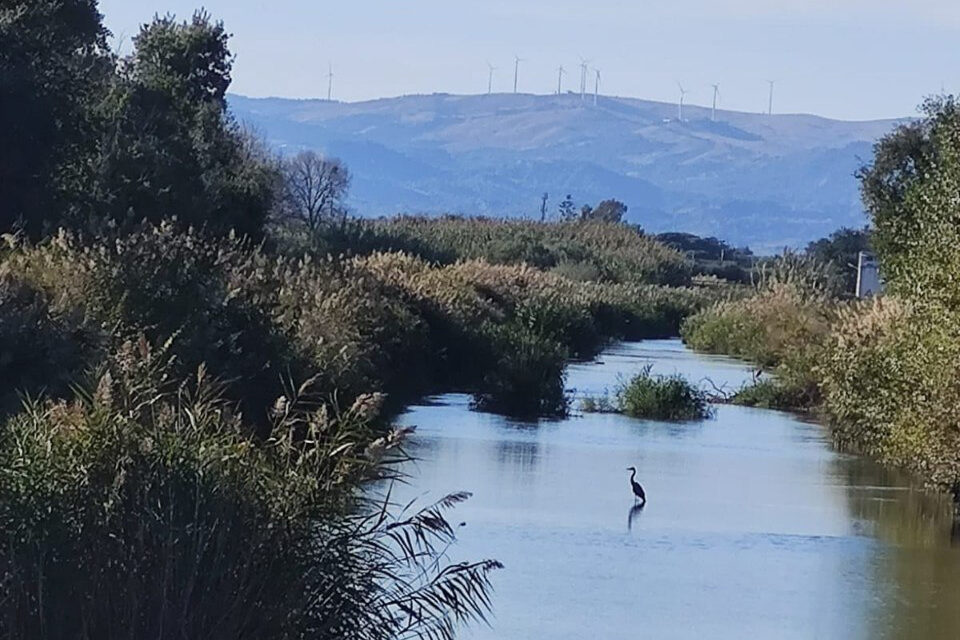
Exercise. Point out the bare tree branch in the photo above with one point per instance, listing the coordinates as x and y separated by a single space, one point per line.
314 190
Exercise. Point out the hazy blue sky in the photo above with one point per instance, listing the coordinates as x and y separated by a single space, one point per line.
842 58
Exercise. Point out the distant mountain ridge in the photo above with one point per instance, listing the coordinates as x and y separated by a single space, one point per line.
751 179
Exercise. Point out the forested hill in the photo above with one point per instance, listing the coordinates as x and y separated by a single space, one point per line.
749 178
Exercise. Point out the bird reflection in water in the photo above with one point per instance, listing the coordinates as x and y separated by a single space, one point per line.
634 513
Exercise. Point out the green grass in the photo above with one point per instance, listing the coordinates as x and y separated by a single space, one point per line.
653 397
771 393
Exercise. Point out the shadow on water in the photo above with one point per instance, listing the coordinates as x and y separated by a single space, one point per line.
920 558
634 513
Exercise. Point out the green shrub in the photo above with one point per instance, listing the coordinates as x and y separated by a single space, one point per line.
890 387
662 398
38 350
597 404
527 378
777 324
614 252
382 321
577 271
772 394
143 509
219 298
781 328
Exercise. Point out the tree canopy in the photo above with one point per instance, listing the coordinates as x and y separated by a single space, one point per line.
911 191
54 68
90 141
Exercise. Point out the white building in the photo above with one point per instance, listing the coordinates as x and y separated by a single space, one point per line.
868 277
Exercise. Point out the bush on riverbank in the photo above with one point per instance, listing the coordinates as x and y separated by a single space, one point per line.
782 328
143 508
773 393
388 322
884 371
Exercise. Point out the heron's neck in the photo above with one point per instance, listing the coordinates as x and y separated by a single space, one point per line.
633 474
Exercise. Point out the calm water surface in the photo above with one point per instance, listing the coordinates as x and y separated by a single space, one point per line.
755 527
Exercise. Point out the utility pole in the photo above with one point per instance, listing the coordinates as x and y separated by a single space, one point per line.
596 88
560 80
770 103
543 206
329 81
516 71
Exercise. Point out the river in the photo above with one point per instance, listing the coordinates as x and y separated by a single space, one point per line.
755 526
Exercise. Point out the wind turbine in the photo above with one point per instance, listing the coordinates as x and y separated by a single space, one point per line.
516 71
770 103
716 96
560 80
683 93
596 87
583 78
491 69
329 80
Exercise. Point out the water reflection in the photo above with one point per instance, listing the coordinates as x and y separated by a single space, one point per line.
760 529
518 456
919 562
634 513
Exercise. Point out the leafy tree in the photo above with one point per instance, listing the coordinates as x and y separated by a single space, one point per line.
567 209
900 160
171 148
841 250
314 190
911 192
712 256
705 249
609 211
54 66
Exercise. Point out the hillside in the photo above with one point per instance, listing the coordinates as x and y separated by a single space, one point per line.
748 178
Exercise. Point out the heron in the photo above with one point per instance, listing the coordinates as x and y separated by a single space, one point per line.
637 489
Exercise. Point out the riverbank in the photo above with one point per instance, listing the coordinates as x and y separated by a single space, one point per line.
755 523
884 371
385 322
876 372
241 387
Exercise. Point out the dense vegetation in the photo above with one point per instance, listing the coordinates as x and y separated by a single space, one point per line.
654 397
712 257
383 321
195 340
585 250
883 371
841 251
142 508
782 328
